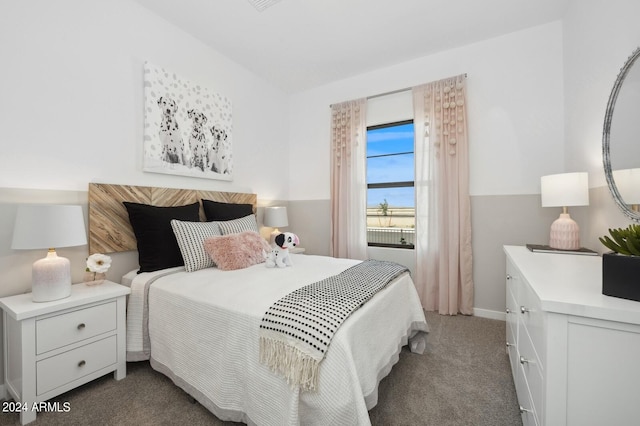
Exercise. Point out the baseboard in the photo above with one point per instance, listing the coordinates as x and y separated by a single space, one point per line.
485 313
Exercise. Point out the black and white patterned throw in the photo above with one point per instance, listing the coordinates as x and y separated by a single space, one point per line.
296 331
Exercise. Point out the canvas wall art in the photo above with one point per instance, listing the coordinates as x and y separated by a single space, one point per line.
187 127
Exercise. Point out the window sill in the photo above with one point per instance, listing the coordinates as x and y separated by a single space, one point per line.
400 246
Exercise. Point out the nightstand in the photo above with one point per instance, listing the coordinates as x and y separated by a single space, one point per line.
53 347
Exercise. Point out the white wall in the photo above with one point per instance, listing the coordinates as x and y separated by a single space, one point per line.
515 111
72 98
599 36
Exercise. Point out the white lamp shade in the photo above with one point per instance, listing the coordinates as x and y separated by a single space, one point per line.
275 217
40 226
628 184
565 189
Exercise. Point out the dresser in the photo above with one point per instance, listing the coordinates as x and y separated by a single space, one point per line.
53 347
574 352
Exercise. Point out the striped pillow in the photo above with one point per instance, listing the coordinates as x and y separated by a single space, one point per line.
190 237
235 226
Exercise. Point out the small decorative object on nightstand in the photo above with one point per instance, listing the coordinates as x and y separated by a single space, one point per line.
297 250
51 348
97 266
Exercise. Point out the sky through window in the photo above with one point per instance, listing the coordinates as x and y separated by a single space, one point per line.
390 158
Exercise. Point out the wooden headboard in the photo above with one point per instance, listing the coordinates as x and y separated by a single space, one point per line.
109 227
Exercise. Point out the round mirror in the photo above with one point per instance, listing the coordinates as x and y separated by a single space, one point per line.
621 139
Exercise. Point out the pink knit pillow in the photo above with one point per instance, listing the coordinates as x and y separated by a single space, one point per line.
237 251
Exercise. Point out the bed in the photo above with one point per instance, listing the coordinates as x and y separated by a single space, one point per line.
200 327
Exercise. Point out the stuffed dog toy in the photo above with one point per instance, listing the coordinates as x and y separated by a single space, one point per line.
279 255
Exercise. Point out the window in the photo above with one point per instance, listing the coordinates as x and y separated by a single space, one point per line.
390 189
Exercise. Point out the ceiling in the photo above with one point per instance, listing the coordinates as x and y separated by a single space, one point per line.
301 44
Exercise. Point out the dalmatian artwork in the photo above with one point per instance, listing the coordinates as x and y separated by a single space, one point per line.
279 255
172 147
187 127
199 151
219 153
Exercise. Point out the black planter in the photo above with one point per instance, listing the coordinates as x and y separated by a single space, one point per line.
621 276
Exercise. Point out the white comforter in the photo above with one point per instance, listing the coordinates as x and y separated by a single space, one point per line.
203 329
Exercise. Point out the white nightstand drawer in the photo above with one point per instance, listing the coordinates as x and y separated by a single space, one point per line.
61 330
69 366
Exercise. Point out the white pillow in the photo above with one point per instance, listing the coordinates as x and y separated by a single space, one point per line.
191 236
235 226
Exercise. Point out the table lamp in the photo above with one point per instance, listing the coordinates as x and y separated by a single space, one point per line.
628 183
40 226
275 217
565 190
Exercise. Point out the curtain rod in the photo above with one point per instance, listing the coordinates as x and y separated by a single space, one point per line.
393 92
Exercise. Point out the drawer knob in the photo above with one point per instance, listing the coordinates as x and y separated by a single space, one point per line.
82 363
523 360
524 310
508 310
81 326
508 276
525 410
509 344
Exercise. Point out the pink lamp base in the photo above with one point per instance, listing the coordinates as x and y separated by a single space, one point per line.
565 233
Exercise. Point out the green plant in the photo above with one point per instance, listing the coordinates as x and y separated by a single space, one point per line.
384 207
624 240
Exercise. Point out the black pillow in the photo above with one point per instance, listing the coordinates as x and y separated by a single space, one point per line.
157 244
215 210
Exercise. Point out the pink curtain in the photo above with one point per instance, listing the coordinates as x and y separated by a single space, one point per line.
443 275
348 180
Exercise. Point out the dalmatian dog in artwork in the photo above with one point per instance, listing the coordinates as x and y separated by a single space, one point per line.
170 137
219 151
279 255
198 140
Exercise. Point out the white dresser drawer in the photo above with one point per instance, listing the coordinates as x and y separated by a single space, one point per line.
527 410
511 318
533 318
513 279
512 308
531 369
512 351
61 330
69 366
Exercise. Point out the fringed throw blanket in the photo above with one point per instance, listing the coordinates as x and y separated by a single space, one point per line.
296 331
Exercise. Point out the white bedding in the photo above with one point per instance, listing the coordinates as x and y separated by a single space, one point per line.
203 331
